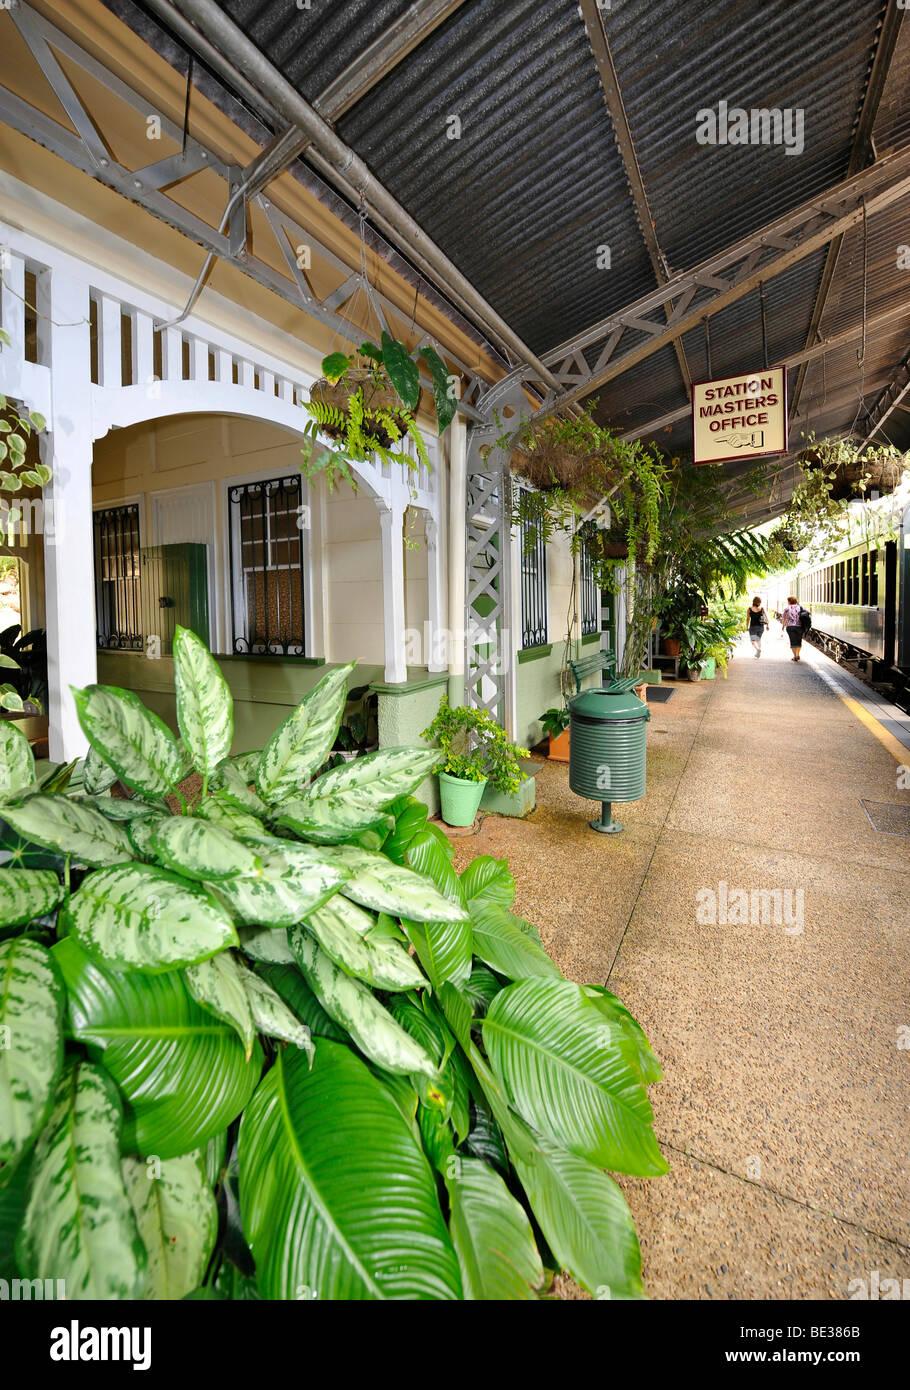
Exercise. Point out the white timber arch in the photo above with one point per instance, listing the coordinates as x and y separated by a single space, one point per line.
99 342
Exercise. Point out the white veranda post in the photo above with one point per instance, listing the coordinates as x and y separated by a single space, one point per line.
63 344
391 519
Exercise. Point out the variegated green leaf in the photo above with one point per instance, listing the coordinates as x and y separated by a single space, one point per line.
217 984
380 962
70 828
177 1219
491 1234
267 944
354 1006
139 833
377 883
271 1014
205 710
303 742
97 775
330 820
295 879
122 809
79 1225
235 790
218 810
31 1043
133 741
246 764
17 762
26 894
379 778
202 851
139 917
181 1071
288 982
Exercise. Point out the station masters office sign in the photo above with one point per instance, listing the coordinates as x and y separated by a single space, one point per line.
740 417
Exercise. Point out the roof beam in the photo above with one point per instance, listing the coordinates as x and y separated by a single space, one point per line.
804 358
721 280
593 17
859 156
382 55
889 400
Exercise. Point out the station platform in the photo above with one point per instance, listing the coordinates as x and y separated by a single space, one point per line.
785 1106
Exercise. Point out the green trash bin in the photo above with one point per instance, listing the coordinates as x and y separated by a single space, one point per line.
607 747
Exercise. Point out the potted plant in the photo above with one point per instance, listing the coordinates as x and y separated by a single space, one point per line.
366 403
679 607
476 752
556 725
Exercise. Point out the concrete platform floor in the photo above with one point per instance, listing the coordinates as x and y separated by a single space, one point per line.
785 1106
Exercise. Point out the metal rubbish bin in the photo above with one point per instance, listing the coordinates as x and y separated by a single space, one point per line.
607 747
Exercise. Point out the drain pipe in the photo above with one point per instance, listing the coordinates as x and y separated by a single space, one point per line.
457 508
243 66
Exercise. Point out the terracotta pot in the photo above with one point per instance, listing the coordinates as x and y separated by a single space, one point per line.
559 747
671 646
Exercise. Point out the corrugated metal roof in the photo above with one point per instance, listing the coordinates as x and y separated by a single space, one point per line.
494 134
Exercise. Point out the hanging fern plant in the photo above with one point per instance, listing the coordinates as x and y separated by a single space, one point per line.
366 404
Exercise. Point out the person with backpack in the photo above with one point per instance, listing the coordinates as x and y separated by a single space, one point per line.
790 620
757 623
805 620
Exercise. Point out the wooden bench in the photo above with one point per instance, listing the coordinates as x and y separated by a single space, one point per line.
603 661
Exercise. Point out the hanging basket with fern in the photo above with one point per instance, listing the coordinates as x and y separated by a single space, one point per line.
860 478
376 394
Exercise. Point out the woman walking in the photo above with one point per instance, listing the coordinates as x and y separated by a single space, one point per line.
792 625
757 620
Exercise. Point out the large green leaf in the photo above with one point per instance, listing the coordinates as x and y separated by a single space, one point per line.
31 1044
585 1220
488 880
613 1009
221 809
132 740
379 778
181 1071
402 369
357 1009
267 944
491 1234
26 894
70 828
17 762
202 851
13 1198
330 820
139 917
234 789
79 1225
205 710
444 397
341 928
338 1200
410 818
303 742
271 1015
124 809
572 1075
296 879
500 942
377 883
177 1220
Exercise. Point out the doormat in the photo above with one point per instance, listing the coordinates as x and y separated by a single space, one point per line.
886 817
657 695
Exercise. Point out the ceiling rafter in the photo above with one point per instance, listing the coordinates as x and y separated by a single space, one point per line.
728 276
593 17
85 149
859 156
890 399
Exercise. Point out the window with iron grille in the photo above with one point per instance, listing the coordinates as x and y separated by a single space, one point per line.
533 586
267 567
118 610
590 594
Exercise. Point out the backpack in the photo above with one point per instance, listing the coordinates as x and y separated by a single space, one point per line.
805 618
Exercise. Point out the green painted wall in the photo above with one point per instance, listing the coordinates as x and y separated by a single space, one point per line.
404 711
265 690
537 687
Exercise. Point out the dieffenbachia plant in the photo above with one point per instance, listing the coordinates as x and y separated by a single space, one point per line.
259 1039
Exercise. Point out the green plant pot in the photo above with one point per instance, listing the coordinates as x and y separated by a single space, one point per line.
460 799
709 668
